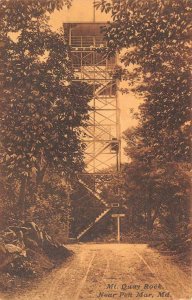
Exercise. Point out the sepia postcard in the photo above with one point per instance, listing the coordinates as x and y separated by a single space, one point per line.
95 150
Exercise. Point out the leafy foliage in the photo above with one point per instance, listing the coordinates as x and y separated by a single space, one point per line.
42 109
153 40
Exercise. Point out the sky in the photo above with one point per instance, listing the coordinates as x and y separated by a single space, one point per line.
82 11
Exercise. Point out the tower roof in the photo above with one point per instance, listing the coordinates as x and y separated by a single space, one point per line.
85 28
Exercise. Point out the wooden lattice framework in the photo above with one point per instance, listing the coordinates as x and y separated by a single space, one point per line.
103 131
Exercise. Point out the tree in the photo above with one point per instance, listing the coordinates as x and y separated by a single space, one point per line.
42 109
159 190
153 40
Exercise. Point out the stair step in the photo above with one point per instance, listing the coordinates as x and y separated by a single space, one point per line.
93 223
93 193
72 240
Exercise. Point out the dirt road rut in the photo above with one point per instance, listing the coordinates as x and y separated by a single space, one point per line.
113 271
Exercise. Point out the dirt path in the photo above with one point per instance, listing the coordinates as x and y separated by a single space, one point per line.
113 271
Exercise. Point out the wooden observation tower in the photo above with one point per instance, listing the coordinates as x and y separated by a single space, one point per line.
102 135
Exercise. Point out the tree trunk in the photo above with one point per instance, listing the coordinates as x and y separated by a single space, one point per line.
172 219
21 202
149 221
39 178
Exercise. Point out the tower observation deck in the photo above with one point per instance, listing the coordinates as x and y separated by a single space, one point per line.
102 135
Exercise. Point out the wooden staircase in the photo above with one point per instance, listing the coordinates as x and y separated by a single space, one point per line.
97 196
100 216
82 233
